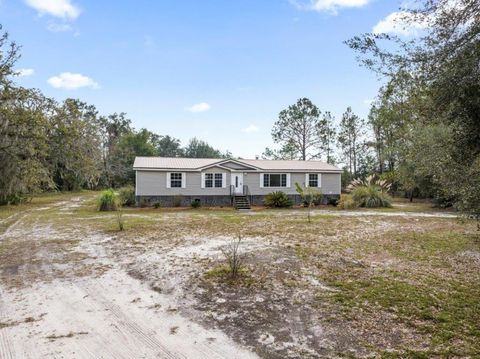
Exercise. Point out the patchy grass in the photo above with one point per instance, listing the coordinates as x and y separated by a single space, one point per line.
221 274
428 286
62 336
346 286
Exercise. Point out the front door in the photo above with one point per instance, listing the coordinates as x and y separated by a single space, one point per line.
237 182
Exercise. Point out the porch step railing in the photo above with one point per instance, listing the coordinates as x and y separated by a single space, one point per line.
241 201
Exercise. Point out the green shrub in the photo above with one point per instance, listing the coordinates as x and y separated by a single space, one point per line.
156 205
332 201
371 181
144 202
309 195
346 202
196 203
317 197
127 196
13 199
277 199
108 201
370 197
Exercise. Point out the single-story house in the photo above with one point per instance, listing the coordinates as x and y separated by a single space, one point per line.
227 182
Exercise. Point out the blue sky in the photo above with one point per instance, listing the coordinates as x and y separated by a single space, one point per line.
220 70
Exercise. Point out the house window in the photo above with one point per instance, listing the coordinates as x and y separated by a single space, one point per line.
275 180
313 180
176 180
208 180
218 180
213 180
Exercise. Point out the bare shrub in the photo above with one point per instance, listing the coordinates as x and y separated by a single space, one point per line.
346 202
235 259
310 197
120 220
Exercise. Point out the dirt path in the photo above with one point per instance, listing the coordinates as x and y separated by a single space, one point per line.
104 314
113 316
358 213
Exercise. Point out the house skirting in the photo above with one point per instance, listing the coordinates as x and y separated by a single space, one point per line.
215 201
184 201
257 200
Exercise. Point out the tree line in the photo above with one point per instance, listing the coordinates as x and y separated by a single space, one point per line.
423 130
422 133
304 132
49 145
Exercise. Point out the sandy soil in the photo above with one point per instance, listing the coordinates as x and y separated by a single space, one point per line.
113 316
89 313
362 213
72 286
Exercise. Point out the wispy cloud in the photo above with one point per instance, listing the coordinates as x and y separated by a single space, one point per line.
329 6
400 23
56 27
72 81
250 129
63 9
25 72
199 107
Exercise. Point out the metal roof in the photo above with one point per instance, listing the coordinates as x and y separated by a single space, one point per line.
291 165
174 162
193 164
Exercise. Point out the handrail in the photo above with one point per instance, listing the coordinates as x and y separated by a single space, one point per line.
232 192
246 192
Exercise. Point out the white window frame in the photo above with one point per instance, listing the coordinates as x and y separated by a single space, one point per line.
287 182
206 175
183 179
214 174
307 179
215 180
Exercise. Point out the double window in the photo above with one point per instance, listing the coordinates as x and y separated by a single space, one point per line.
313 180
275 180
176 180
213 180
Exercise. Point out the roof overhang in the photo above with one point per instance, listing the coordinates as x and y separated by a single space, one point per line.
149 169
221 164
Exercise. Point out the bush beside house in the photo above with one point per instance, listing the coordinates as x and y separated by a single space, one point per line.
277 199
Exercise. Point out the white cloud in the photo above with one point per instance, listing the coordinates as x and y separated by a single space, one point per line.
71 81
199 107
25 72
63 9
399 23
55 27
330 6
250 129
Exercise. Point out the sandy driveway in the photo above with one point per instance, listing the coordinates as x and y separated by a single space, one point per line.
113 316
49 310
